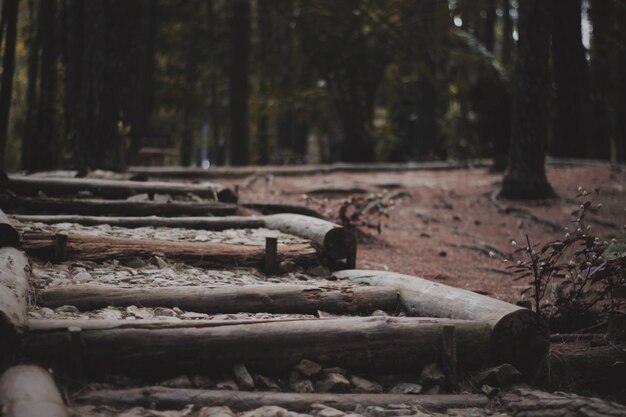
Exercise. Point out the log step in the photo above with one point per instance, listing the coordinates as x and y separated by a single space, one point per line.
176 398
274 298
374 344
208 254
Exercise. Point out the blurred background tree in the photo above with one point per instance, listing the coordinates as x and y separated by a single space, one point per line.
90 84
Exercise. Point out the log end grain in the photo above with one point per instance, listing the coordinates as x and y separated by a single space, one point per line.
521 338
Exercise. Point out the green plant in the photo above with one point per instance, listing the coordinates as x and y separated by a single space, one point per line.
575 276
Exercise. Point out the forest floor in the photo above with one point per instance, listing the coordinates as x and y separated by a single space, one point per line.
447 225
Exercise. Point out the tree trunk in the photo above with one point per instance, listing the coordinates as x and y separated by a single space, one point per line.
29 391
519 336
525 177
33 45
238 85
166 398
276 298
506 53
373 344
208 254
94 207
9 16
45 136
571 134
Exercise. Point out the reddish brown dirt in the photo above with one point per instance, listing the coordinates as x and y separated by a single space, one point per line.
460 202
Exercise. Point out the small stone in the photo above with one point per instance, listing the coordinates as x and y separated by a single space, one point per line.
364 385
160 262
134 263
45 311
215 412
335 370
178 382
434 390
308 368
83 277
201 381
333 382
267 411
406 388
243 377
489 391
266 384
319 271
66 309
190 315
432 375
140 313
289 266
302 387
321 410
498 376
228 385
164 312
379 313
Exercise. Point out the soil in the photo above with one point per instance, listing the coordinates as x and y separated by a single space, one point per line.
446 225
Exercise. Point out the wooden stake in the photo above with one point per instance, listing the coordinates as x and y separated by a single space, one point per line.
60 247
448 357
271 252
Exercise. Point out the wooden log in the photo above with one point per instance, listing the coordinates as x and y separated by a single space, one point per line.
527 402
520 337
199 223
271 259
335 241
393 345
44 205
29 391
208 254
302 170
13 293
277 208
275 298
9 236
31 186
173 398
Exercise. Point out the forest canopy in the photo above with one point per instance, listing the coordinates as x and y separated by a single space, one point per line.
104 84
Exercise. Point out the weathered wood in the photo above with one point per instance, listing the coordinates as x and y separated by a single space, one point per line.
29 391
277 208
200 223
596 369
275 298
448 357
98 248
333 240
520 337
44 205
370 343
271 260
27 185
526 402
9 236
172 398
13 292
302 170
60 247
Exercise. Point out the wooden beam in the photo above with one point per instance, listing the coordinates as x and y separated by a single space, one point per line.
45 205
31 186
209 254
373 344
29 391
169 398
275 298
520 337
13 294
